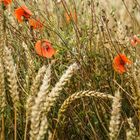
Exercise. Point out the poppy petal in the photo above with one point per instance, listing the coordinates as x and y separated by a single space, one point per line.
22 11
44 48
119 63
35 24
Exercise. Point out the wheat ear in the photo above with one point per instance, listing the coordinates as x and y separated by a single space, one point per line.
115 116
55 93
2 88
29 59
131 133
33 93
53 96
12 83
136 93
37 109
78 95
81 94
43 127
11 76
30 63
34 89
2 100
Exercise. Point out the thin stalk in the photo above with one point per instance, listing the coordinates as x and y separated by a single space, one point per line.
26 127
3 128
15 124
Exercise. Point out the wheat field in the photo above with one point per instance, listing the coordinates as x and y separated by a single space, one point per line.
69 70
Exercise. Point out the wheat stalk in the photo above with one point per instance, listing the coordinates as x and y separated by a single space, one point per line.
37 109
115 116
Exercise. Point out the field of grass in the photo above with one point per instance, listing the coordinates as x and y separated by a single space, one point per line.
69 70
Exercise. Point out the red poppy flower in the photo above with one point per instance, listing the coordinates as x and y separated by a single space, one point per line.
72 16
44 48
6 2
35 24
135 40
22 12
119 63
